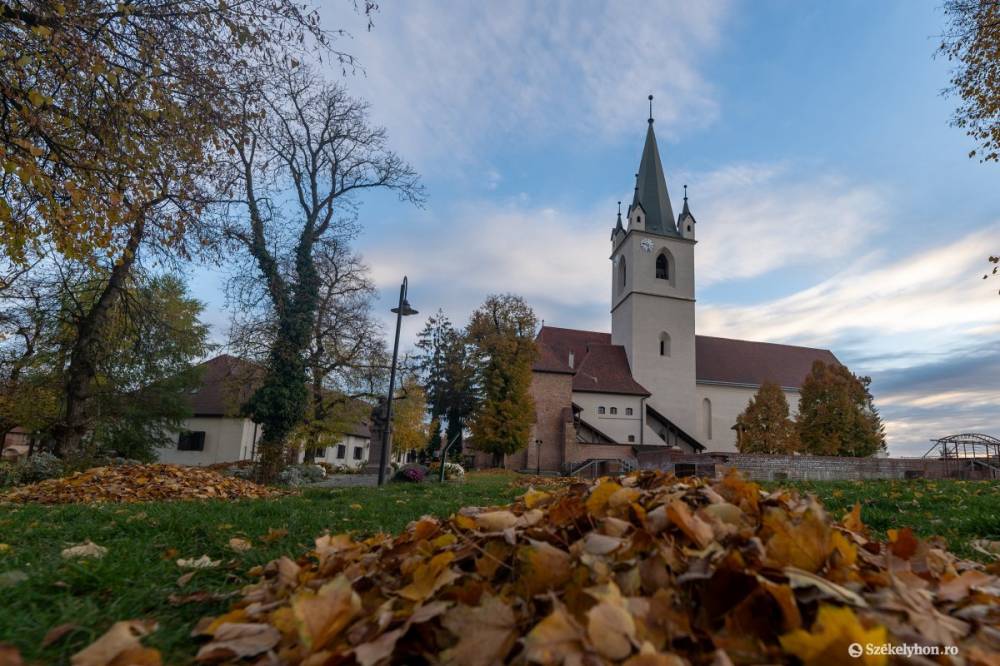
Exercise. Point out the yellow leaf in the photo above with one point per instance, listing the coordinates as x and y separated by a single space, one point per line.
429 577
534 498
693 527
600 495
610 626
542 567
485 632
805 545
553 639
833 632
495 521
323 615
852 519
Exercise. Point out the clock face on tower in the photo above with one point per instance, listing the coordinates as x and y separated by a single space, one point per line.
646 245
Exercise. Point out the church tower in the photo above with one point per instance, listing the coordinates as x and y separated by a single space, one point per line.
652 294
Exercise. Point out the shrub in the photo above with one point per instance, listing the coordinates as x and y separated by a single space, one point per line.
412 473
297 475
451 471
41 466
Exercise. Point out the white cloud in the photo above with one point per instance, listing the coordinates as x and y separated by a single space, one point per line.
446 77
935 297
758 218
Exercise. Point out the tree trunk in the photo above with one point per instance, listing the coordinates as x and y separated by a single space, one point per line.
70 432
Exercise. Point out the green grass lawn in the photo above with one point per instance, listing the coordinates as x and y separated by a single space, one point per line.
139 574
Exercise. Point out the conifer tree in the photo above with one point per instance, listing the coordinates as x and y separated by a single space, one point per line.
764 426
837 415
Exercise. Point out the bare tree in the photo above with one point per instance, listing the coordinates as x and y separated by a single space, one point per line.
304 153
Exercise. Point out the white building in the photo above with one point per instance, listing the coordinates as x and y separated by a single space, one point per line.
218 431
652 381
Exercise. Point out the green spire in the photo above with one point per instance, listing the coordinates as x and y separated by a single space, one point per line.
651 187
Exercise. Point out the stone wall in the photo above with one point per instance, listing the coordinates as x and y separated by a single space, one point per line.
762 467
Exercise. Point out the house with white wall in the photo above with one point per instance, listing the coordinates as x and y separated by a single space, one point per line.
218 429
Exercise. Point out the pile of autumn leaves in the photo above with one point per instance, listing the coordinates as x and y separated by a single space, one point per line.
137 483
644 570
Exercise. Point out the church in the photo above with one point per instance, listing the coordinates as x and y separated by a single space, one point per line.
653 381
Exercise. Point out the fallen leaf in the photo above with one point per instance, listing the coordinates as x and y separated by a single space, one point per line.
902 543
58 632
958 587
543 567
610 626
495 521
121 637
10 655
553 639
85 549
184 579
240 545
804 544
322 615
12 578
694 527
485 632
429 577
203 562
826 643
238 640
274 535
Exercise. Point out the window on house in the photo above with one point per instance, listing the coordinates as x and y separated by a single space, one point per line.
628 411
631 438
622 274
664 344
358 452
706 415
662 268
191 440
600 410
341 451
614 410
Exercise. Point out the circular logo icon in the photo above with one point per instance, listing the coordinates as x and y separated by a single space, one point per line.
854 649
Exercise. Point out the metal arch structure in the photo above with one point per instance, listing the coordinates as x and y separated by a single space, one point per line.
965 445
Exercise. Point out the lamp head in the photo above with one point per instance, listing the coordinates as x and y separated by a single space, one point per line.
406 309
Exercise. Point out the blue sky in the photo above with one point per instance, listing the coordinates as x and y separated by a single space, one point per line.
836 206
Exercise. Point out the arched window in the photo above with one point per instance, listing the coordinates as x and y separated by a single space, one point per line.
662 268
628 411
600 410
614 410
664 344
706 415
621 273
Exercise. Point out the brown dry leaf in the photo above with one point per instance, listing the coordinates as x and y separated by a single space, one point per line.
138 483
184 579
322 615
203 562
610 626
902 543
10 655
240 545
238 640
805 545
139 656
121 637
554 639
56 633
274 535
543 567
485 633
371 653
87 549
694 527
958 588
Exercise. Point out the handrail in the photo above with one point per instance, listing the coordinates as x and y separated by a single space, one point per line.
444 454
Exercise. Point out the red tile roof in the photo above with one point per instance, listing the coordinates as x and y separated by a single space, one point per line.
745 362
604 369
227 382
717 360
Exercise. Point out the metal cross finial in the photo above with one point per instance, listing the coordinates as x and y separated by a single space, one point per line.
619 209
685 193
650 108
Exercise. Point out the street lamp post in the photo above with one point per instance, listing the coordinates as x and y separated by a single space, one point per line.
402 310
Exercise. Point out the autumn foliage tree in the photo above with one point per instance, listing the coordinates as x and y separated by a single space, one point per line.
765 426
502 333
837 415
111 115
409 429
